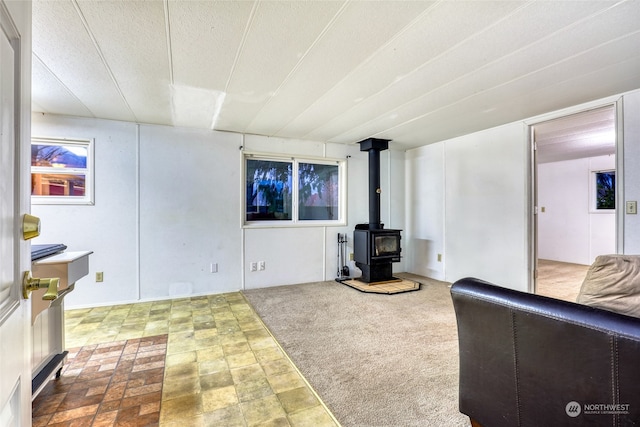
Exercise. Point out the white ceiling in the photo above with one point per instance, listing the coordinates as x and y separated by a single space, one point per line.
415 72
587 134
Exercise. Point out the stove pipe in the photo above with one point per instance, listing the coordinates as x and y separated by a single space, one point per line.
374 146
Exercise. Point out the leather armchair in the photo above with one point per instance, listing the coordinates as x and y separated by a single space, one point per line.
529 360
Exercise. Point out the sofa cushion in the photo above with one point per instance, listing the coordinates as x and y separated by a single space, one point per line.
613 283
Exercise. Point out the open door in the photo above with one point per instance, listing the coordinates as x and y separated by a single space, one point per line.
574 192
15 332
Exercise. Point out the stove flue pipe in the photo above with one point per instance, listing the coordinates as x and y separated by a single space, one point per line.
374 146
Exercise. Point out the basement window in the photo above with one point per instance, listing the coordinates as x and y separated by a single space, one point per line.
293 191
61 171
605 190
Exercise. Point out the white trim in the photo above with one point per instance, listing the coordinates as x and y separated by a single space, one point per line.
88 172
593 189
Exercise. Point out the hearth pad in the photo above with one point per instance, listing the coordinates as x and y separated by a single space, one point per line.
393 286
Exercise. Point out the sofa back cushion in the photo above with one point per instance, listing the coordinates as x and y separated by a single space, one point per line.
613 283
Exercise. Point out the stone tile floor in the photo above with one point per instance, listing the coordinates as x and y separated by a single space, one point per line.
222 367
116 383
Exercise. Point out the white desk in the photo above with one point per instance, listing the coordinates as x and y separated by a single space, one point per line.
47 317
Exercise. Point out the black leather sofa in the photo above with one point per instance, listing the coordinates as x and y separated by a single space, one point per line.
529 360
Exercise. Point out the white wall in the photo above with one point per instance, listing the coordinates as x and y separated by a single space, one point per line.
425 210
467 201
569 229
168 205
189 212
109 228
470 196
486 206
631 107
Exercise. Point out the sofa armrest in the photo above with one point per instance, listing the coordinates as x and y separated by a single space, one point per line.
525 358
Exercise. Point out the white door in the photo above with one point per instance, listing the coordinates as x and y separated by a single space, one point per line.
15 333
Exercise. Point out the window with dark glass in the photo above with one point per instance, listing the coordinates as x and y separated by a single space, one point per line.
605 190
318 192
292 190
268 190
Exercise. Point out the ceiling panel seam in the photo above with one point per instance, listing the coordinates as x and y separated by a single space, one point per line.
497 86
431 60
56 78
247 28
167 26
357 70
85 24
295 68
421 116
502 58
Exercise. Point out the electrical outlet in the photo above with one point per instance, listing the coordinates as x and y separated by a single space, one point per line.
261 265
254 266
351 256
214 267
99 276
439 257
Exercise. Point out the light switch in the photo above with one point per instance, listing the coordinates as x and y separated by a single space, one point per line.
632 207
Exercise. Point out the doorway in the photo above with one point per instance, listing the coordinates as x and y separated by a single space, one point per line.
574 192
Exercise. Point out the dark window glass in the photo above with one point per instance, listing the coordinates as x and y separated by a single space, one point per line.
268 189
318 188
606 190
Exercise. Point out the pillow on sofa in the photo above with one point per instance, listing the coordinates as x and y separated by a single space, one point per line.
613 283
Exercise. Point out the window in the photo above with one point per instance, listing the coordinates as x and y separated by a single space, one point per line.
61 171
605 190
290 190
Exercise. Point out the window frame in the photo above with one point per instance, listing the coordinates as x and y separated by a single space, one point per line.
593 192
88 172
295 221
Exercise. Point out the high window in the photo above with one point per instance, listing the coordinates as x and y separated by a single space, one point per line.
61 171
289 191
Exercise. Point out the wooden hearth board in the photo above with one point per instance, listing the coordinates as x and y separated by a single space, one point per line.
393 286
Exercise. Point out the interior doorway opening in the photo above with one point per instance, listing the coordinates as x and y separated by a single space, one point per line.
574 197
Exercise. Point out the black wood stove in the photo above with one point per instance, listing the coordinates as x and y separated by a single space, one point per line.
374 247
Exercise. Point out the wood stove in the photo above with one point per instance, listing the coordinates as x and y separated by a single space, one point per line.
374 247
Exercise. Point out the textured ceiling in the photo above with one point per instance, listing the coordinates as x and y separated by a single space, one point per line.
415 72
588 134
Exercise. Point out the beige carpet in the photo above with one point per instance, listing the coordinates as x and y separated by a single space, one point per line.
375 360
560 279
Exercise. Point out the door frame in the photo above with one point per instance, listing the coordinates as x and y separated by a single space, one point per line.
532 188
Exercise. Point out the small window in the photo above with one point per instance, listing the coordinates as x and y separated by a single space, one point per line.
61 171
605 190
287 191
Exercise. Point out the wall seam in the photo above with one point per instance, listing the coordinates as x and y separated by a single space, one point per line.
138 254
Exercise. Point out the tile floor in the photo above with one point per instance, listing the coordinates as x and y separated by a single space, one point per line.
117 383
222 366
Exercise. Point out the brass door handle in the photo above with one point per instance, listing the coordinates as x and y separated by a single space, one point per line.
30 284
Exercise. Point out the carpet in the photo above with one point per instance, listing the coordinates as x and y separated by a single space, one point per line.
374 359
111 384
